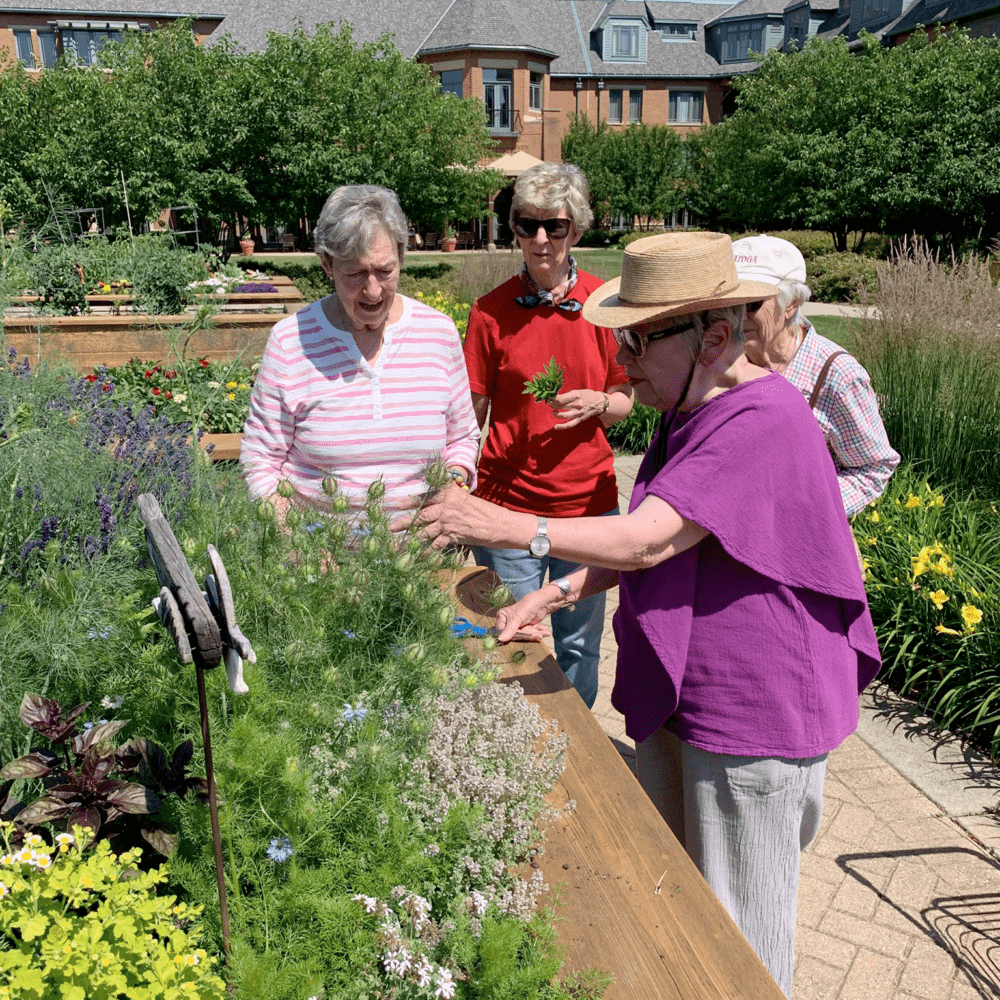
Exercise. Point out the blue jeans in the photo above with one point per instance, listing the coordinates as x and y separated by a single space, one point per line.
577 633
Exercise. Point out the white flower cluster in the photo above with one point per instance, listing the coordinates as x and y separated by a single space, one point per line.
404 954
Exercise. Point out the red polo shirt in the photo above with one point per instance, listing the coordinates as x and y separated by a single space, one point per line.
526 464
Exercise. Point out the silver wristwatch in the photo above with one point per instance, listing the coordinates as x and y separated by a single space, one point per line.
539 545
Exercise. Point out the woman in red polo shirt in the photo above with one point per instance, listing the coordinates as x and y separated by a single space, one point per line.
550 460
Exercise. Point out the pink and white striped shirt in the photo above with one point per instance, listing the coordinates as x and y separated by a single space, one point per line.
318 408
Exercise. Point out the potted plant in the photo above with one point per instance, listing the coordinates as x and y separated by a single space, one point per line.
246 245
449 239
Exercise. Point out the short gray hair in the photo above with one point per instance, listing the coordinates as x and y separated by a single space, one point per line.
552 187
352 218
701 321
792 291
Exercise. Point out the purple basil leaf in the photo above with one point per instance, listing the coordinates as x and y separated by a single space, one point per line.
133 798
33 765
38 713
97 766
74 713
82 743
182 756
43 810
86 816
161 837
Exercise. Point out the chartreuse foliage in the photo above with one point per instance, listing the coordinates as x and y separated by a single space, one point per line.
932 568
89 925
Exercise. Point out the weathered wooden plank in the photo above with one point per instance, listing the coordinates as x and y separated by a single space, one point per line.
174 573
225 447
633 902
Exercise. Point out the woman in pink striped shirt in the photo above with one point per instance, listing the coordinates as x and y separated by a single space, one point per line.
365 384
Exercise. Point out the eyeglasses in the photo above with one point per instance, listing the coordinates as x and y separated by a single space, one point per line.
635 343
557 229
753 307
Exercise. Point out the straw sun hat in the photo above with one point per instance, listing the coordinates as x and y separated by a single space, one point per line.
669 275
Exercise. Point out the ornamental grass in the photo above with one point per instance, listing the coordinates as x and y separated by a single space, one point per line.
932 572
932 347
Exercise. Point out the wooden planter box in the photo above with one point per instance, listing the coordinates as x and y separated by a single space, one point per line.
633 903
88 341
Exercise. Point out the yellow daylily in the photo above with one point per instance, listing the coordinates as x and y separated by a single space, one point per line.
912 502
874 517
946 631
938 597
971 615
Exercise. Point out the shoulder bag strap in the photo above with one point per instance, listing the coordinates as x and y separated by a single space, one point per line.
821 378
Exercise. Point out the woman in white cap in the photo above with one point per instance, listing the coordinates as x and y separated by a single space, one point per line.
839 390
743 628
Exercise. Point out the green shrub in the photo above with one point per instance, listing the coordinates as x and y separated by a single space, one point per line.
91 926
932 559
840 277
600 238
633 435
309 278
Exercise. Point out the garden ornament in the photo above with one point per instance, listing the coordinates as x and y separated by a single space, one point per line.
204 629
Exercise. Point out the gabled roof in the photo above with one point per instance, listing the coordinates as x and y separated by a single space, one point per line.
489 24
86 8
620 8
940 12
825 7
748 8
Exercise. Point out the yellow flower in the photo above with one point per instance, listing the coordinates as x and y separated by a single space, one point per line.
946 631
912 502
230 395
936 501
938 597
873 541
874 517
231 385
86 882
971 615
919 567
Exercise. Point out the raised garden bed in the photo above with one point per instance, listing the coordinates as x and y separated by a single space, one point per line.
632 901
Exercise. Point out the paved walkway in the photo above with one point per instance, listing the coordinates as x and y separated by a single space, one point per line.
900 892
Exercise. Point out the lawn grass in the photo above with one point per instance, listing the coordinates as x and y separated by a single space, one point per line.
835 328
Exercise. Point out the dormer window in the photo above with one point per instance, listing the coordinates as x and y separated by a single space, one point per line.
624 41
678 31
740 38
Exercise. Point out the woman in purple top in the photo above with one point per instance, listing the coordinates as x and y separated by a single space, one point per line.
743 628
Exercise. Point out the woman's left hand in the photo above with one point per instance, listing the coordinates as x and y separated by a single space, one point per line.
577 405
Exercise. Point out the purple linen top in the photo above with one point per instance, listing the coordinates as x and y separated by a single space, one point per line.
758 640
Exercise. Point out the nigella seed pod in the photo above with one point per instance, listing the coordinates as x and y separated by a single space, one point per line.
404 563
439 676
286 489
337 532
340 504
190 546
409 591
354 596
435 559
292 517
471 680
377 490
360 578
414 653
371 545
446 616
330 486
517 656
489 642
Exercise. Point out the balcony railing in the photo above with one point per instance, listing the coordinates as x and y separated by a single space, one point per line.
503 121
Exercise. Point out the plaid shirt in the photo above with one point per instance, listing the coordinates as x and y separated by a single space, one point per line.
847 411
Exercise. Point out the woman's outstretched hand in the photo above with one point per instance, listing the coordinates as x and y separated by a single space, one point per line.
453 516
519 622
575 406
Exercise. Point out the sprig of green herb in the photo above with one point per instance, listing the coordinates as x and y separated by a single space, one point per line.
546 383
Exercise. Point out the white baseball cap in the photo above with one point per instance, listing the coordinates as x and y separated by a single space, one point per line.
768 259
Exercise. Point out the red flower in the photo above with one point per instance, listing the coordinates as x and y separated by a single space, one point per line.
149 373
170 374
91 378
156 391
106 387
158 368
203 362
169 395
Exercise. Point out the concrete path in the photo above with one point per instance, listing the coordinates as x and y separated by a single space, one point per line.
900 892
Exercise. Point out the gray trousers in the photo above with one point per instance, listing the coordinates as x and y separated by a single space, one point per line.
744 822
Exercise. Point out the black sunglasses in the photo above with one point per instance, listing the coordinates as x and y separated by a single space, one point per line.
635 343
557 229
753 307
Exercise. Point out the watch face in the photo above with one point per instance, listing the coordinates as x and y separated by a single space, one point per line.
539 546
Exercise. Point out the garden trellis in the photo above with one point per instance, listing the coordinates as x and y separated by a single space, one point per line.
203 627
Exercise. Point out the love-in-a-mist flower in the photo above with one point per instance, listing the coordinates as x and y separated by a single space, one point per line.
280 849
356 713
